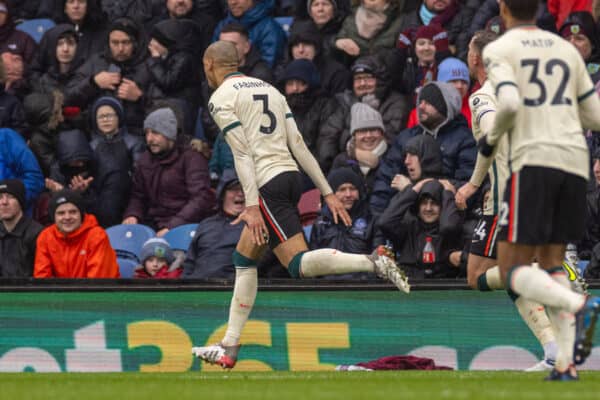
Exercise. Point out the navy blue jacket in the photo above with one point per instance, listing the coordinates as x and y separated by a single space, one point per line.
265 33
209 254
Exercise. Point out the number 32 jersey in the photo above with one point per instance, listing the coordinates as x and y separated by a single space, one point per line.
266 121
552 79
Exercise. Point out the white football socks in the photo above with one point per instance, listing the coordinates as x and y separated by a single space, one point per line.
564 327
536 319
333 262
537 285
244 294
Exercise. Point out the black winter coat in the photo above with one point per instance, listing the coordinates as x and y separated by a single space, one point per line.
12 114
17 248
83 90
179 74
400 223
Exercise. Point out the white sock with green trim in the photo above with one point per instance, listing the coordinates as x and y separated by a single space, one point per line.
333 262
242 301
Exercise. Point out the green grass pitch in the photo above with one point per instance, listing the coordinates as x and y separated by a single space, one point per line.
421 385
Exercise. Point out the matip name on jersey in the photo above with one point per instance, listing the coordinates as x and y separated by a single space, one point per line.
537 43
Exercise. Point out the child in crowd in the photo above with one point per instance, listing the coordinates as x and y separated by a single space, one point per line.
159 261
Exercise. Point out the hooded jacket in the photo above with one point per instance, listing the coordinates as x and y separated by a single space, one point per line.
83 253
401 224
393 107
459 151
265 33
179 74
12 114
256 67
50 78
172 190
210 253
17 161
90 32
83 90
335 77
17 248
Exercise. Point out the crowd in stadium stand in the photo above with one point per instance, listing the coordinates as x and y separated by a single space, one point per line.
107 111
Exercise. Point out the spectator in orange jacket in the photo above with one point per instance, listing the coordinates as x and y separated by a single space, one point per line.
75 246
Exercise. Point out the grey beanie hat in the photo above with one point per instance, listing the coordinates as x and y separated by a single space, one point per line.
162 121
364 116
157 247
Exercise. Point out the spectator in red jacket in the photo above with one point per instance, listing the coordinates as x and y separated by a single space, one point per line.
159 261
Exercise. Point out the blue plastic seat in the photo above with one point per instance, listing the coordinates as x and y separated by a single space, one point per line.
285 23
36 27
179 238
127 240
307 230
127 267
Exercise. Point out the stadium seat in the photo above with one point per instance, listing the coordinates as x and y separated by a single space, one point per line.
285 23
583 265
127 240
309 206
179 238
36 27
126 267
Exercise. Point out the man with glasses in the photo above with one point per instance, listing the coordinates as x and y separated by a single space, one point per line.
369 86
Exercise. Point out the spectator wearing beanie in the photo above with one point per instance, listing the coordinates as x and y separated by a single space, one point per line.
348 187
419 51
120 71
562 9
18 232
171 183
455 72
74 233
158 261
367 144
581 30
438 112
306 42
310 106
371 29
115 152
174 68
210 253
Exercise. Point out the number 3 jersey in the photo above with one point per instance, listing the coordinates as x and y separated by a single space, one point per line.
552 79
266 121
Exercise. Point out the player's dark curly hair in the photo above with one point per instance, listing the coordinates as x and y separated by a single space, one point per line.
523 10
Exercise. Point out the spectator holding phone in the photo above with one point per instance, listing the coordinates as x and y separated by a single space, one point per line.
120 71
